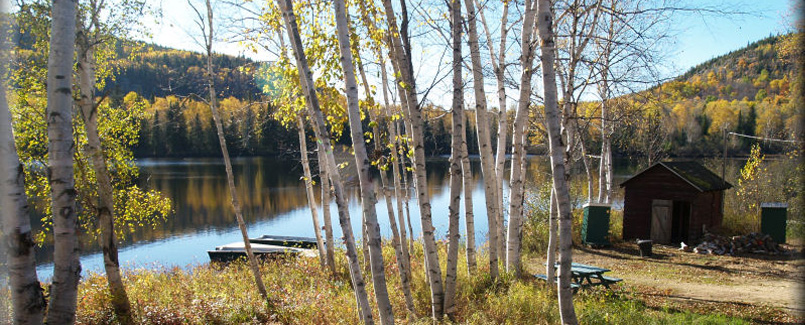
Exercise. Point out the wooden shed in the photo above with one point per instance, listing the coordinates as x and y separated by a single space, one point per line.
671 202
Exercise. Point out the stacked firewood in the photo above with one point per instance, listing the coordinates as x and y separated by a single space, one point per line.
756 243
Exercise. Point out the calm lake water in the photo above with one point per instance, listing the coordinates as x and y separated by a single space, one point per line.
274 202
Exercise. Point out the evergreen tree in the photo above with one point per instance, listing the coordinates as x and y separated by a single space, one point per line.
176 131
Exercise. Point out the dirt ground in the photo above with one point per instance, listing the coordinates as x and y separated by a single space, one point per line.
771 283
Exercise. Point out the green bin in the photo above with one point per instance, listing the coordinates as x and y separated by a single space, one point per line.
595 227
772 220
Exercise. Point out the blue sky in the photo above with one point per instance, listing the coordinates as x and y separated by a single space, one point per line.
699 37
706 37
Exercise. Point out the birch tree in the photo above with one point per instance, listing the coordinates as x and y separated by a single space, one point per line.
496 245
456 158
397 241
67 267
314 112
205 25
528 43
400 192
311 198
628 49
324 178
285 94
117 127
27 300
547 49
399 174
466 170
401 55
368 198
550 260
93 37
378 38
577 24
498 61
397 233
605 164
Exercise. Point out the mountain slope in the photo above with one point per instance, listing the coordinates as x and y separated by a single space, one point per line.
156 71
751 91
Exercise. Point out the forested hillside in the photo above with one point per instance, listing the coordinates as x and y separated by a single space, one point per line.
156 71
170 84
748 91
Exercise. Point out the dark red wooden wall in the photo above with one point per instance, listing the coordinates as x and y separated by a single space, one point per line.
659 183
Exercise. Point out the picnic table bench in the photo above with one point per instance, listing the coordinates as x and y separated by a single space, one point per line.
584 275
544 277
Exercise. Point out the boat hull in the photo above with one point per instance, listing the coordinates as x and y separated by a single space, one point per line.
234 251
287 241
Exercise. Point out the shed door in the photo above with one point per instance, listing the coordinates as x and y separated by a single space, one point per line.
661 221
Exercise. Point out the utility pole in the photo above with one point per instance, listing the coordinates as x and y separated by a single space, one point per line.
724 159
724 168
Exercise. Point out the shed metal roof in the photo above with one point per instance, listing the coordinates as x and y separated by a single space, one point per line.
691 172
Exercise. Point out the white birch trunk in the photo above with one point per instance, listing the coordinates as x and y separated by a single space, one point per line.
27 300
208 39
396 241
498 65
456 157
518 137
324 177
581 32
550 260
395 169
472 260
547 47
608 167
67 267
367 186
493 203
588 169
401 54
406 176
406 128
369 19
503 118
311 197
319 128
605 165
105 208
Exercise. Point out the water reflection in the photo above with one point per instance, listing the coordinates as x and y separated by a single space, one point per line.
273 199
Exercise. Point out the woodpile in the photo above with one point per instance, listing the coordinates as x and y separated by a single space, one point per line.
755 243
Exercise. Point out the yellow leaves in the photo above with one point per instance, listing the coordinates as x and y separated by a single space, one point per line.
753 179
305 179
723 114
137 208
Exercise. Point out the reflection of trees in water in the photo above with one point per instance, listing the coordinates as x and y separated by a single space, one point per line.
267 188
198 188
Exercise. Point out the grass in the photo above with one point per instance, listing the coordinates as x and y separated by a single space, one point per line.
209 294
305 293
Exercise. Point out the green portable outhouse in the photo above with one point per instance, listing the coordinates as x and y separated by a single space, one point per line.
595 226
773 220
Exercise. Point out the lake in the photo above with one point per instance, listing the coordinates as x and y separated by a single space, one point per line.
273 199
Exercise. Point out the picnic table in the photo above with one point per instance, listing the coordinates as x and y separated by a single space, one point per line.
584 275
